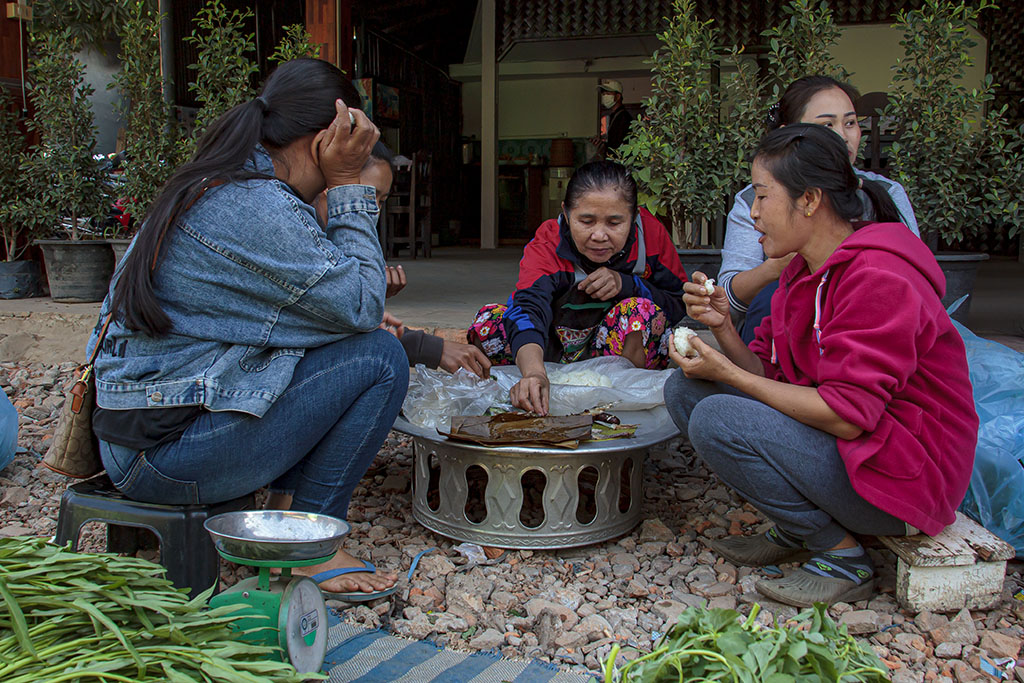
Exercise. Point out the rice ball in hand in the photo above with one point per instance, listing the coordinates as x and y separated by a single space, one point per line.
709 286
682 337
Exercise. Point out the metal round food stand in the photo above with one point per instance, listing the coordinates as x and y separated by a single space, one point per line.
603 480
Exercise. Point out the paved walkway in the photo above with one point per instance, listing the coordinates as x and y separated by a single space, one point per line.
443 294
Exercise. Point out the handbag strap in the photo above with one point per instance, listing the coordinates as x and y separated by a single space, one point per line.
99 341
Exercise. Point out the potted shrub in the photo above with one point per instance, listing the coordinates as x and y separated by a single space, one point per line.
690 150
19 278
224 72
959 165
678 149
63 179
150 130
296 43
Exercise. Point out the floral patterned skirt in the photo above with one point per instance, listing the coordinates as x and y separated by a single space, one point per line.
605 339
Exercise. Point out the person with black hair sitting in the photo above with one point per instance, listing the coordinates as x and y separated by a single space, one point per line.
244 348
748 276
851 411
429 349
603 279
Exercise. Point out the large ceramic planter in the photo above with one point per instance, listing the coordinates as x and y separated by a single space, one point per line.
119 246
961 270
78 270
20 279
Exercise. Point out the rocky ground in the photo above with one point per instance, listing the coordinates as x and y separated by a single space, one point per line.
566 606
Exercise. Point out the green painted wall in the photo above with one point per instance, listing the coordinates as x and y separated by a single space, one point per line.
545 106
870 51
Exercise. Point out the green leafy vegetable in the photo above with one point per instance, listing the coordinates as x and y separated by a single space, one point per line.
719 645
86 616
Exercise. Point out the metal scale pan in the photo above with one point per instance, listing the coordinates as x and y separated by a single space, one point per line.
281 610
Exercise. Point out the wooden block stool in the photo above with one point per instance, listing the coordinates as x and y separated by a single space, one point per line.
186 550
963 566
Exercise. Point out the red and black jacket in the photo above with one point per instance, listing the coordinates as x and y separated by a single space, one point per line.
548 275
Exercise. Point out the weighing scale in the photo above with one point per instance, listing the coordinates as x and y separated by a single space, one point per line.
282 611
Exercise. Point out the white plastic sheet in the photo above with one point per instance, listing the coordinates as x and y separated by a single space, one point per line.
631 388
435 396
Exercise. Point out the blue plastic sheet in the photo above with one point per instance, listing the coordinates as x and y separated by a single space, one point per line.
8 430
995 498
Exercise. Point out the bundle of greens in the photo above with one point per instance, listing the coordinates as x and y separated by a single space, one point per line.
68 616
716 645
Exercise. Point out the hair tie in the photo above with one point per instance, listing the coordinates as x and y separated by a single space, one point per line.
773 116
262 101
860 182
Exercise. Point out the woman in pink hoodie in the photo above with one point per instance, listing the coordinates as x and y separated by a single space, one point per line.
852 410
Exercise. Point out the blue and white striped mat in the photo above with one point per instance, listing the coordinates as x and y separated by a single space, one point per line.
356 654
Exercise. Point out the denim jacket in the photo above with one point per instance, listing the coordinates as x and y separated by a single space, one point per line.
249 280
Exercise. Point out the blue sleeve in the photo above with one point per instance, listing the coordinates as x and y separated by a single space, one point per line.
741 251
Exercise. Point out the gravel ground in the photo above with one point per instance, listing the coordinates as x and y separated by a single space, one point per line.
566 606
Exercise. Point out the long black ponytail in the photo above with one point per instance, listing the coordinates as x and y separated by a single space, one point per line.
297 99
801 156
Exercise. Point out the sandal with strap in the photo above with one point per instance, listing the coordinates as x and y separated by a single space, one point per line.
354 596
359 596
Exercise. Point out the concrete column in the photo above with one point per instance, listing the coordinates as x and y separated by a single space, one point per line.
489 126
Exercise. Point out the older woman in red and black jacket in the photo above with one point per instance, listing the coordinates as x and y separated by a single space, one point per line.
602 279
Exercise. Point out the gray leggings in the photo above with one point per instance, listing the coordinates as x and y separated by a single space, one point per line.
789 471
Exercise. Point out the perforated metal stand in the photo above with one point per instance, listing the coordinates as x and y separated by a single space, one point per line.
587 496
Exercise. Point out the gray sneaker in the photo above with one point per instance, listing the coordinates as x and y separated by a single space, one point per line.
802 589
757 551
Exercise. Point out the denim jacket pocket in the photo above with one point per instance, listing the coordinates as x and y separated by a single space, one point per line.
146 483
258 358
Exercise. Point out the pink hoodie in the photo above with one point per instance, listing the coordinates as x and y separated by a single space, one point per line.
888 360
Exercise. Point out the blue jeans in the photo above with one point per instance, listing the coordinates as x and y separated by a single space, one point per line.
759 307
318 438
791 472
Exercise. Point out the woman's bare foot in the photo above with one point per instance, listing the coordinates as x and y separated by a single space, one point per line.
362 582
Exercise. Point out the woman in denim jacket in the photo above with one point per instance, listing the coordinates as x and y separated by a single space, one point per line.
244 349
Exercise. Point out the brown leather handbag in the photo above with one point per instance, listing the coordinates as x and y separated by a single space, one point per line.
75 451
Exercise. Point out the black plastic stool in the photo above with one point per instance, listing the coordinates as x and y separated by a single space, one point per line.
186 550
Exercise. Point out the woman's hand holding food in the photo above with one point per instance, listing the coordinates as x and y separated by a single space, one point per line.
602 284
532 393
344 146
710 309
708 364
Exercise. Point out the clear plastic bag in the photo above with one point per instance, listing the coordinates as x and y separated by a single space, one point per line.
995 498
628 388
435 396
